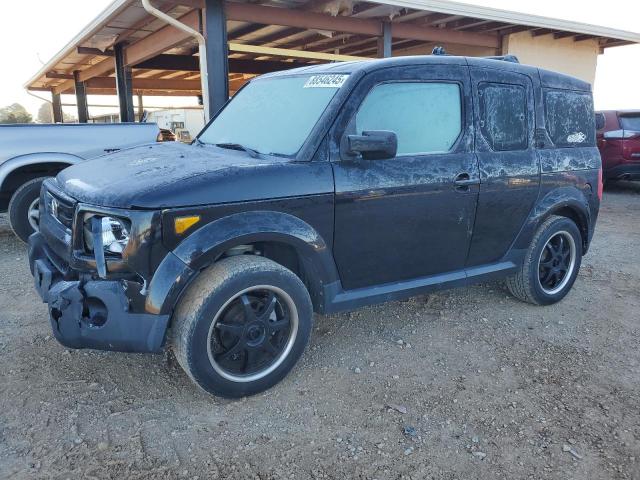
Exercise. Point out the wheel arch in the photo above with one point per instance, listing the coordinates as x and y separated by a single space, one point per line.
19 170
276 235
566 202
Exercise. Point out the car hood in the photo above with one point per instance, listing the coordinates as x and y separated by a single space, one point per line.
167 175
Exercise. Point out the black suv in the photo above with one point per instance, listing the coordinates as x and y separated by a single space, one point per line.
321 189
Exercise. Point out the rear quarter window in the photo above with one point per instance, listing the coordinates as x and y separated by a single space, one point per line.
600 121
503 115
570 118
630 122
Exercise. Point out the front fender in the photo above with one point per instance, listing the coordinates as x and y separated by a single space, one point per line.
207 244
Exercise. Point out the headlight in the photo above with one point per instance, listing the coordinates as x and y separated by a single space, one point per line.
114 233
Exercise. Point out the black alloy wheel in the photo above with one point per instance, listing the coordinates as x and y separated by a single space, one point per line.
251 333
556 263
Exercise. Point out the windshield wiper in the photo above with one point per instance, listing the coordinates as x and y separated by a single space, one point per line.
237 146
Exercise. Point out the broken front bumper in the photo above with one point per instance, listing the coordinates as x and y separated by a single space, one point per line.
92 313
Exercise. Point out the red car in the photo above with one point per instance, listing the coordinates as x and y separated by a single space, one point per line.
618 136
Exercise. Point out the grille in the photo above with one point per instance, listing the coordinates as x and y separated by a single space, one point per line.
62 209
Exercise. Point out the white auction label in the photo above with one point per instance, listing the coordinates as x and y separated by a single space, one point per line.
326 81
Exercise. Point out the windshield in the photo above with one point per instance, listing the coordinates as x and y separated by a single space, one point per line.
630 123
274 115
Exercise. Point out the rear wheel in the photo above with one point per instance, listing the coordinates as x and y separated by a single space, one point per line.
242 326
24 209
551 264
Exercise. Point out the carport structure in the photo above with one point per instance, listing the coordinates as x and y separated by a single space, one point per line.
127 50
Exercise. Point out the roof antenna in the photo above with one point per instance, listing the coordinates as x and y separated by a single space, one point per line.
438 50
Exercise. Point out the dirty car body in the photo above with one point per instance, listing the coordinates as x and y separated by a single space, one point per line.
355 205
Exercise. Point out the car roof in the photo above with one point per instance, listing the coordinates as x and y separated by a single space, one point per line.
621 112
548 78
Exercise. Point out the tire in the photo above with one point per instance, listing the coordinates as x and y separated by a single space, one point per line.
234 293
20 205
541 279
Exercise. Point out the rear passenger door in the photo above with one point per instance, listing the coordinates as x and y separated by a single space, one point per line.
509 169
406 217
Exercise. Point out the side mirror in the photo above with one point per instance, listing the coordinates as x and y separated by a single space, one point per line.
373 144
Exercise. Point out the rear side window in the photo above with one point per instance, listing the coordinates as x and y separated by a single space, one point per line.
570 118
426 117
503 115
630 122
600 121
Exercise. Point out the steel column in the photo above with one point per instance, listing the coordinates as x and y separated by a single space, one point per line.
56 106
385 41
81 98
124 86
217 54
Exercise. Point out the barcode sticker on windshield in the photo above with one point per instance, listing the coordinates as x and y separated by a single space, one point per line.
326 81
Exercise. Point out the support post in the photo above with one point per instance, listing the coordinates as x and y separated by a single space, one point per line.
124 85
56 106
140 108
384 42
81 98
217 54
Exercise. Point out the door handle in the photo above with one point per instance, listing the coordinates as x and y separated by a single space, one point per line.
463 181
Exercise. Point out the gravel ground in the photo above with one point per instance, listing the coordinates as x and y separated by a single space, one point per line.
468 383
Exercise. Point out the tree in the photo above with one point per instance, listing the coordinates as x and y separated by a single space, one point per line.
44 113
15 113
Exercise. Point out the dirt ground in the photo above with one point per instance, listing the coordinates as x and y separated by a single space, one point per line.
464 384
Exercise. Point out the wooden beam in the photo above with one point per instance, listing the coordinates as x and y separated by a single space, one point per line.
95 51
582 38
187 63
538 32
559 35
160 41
106 86
516 29
146 84
63 76
284 52
410 31
106 66
470 23
245 12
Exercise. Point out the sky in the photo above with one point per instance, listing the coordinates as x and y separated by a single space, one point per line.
32 32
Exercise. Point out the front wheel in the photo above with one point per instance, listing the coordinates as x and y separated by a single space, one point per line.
241 326
24 209
551 264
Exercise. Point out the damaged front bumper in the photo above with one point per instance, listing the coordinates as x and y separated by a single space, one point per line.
88 313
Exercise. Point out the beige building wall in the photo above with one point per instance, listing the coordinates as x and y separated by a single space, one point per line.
578 59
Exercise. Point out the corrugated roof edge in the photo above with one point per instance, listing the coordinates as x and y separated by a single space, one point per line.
113 8
518 18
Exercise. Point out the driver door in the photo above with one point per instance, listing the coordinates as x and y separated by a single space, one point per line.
412 215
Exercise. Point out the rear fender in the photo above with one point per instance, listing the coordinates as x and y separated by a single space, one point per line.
557 201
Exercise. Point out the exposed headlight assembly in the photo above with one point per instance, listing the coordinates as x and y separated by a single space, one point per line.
111 233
